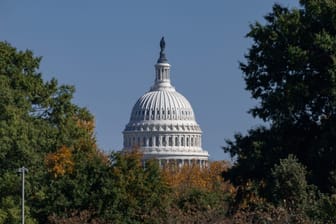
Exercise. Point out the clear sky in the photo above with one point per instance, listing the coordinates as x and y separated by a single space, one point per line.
107 50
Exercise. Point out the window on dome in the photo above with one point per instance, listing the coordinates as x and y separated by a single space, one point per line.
176 141
157 141
182 141
170 141
150 141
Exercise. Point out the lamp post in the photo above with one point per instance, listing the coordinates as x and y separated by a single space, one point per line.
22 170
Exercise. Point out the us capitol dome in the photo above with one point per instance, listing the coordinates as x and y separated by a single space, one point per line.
163 123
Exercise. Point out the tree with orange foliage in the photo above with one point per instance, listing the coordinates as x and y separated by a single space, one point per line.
193 176
60 162
200 195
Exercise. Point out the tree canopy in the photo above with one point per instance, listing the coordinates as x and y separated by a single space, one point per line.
37 117
290 70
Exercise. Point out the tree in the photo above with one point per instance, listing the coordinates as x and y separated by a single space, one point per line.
37 119
80 195
139 194
290 70
199 195
193 176
290 187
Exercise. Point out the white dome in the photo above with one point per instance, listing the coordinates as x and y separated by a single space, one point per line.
163 124
162 105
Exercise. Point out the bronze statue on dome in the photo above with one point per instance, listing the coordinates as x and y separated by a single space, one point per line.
162 44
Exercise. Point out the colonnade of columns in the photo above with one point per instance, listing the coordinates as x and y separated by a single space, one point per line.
162 114
181 162
162 73
163 140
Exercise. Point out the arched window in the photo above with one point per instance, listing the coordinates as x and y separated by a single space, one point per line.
182 141
170 141
157 141
176 141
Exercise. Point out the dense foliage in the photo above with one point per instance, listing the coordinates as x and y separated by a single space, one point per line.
36 118
199 195
290 70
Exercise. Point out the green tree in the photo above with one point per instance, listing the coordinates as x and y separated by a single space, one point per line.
290 70
82 195
139 194
290 187
37 117
118 190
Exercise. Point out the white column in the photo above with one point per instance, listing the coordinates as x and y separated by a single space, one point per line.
147 141
160 140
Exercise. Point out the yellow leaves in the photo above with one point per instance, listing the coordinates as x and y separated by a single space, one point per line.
192 176
63 160
87 141
60 162
88 125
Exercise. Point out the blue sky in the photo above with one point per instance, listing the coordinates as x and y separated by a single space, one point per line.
107 50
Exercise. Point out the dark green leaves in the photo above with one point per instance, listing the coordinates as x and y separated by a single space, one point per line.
290 70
